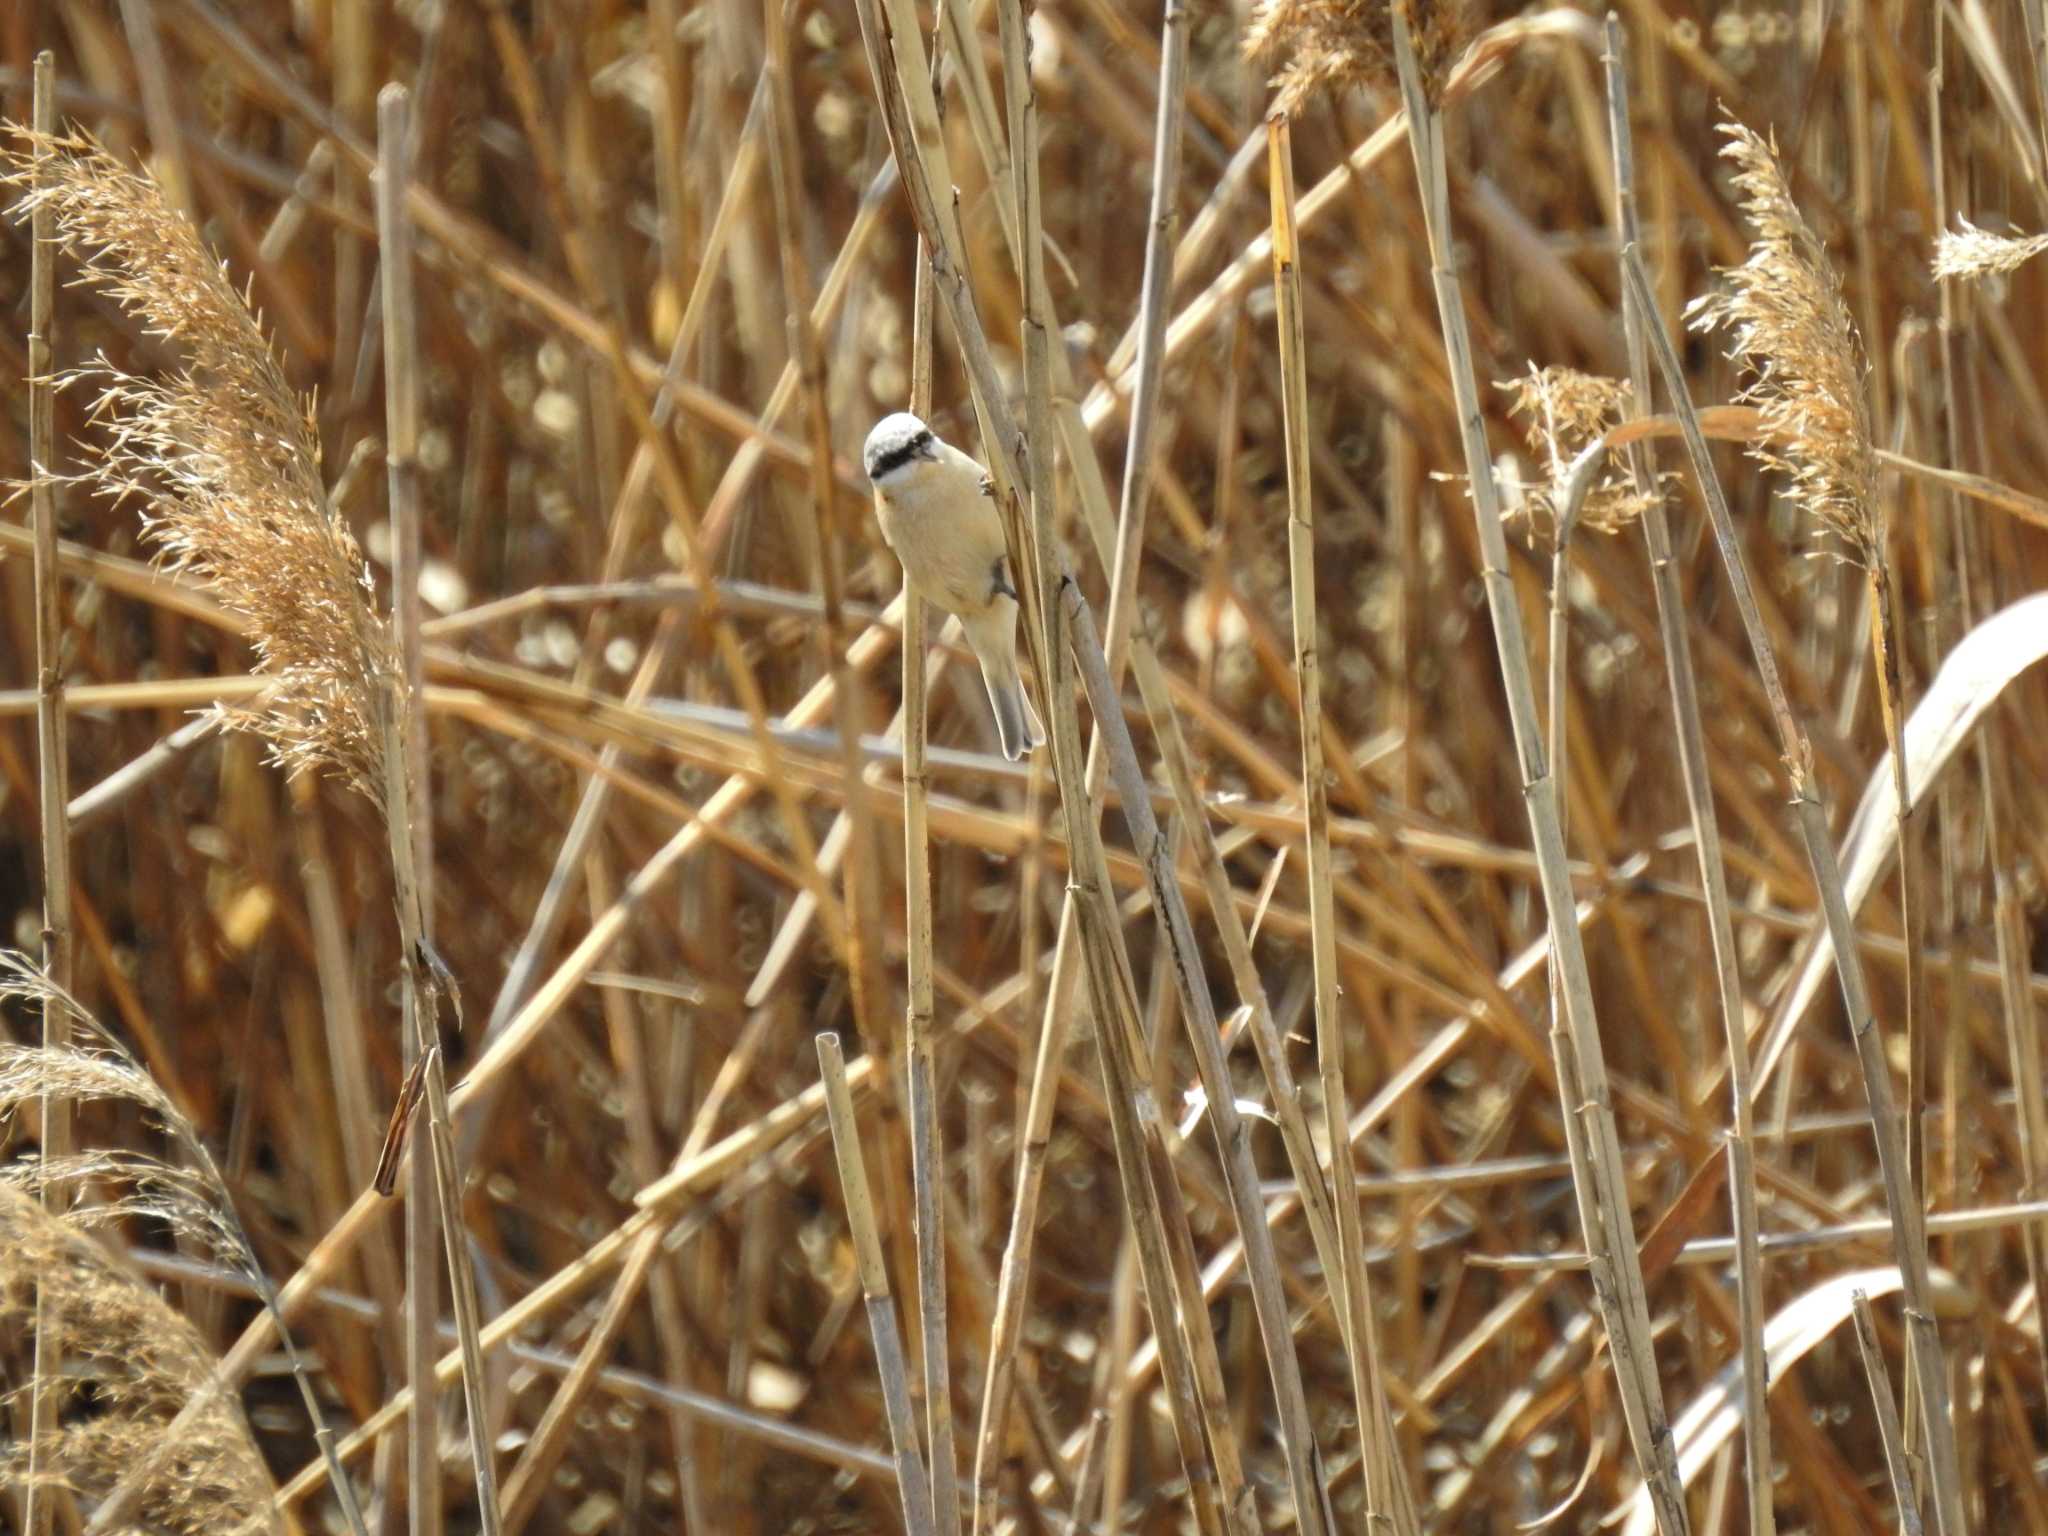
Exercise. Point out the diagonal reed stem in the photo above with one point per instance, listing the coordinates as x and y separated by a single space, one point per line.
874 1283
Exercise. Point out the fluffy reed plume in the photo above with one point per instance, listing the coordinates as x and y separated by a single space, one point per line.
1336 44
224 455
136 1365
1567 413
1800 352
1970 252
143 1406
134 1368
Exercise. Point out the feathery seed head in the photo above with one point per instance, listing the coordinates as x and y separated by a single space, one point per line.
1800 353
1566 413
1336 44
223 455
1970 252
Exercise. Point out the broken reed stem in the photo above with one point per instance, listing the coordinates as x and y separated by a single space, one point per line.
1888 1431
1180 952
874 1283
1909 1239
53 760
405 774
1604 1207
1683 681
1350 1286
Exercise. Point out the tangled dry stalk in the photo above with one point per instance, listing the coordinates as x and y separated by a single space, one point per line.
1373 1071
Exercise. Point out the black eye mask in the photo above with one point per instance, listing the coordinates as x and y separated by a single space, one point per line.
919 447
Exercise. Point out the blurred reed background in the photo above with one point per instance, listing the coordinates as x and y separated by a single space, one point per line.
664 280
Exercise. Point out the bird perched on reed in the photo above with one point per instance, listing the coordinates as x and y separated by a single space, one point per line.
938 513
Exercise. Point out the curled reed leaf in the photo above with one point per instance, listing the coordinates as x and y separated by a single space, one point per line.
1800 353
223 454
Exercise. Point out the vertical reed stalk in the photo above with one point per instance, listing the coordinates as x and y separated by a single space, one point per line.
1151 1193
1909 1238
435 1185
1604 1206
1350 1287
53 759
927 1148
1699 803
874 1283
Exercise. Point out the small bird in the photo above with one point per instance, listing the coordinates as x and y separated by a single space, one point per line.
938 512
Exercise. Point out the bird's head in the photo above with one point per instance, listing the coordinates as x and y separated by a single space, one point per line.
897 448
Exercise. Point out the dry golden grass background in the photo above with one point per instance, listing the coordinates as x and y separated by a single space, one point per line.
593 199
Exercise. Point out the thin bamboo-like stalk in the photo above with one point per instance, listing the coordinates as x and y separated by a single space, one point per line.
1221 1497
1908 1232
1088 1481
53 761
2022 1024
1182 956
1895 1462
863 878
927 1148
436 1185
422 1221
1706 833
1006 1329
874 1283
1603 1199
1350 1287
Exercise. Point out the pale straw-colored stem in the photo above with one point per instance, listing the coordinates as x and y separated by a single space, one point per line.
436 1185
911 1481
1896 1464
1385 1499
1180 953
1603 1198
1672 616
927 1147
53 761
1928 1378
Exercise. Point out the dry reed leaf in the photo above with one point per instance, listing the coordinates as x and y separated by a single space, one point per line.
1970 252
224 456
132 1365
1800 352
1981 666
1792 1334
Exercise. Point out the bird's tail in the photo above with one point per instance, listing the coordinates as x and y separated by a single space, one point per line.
995 645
